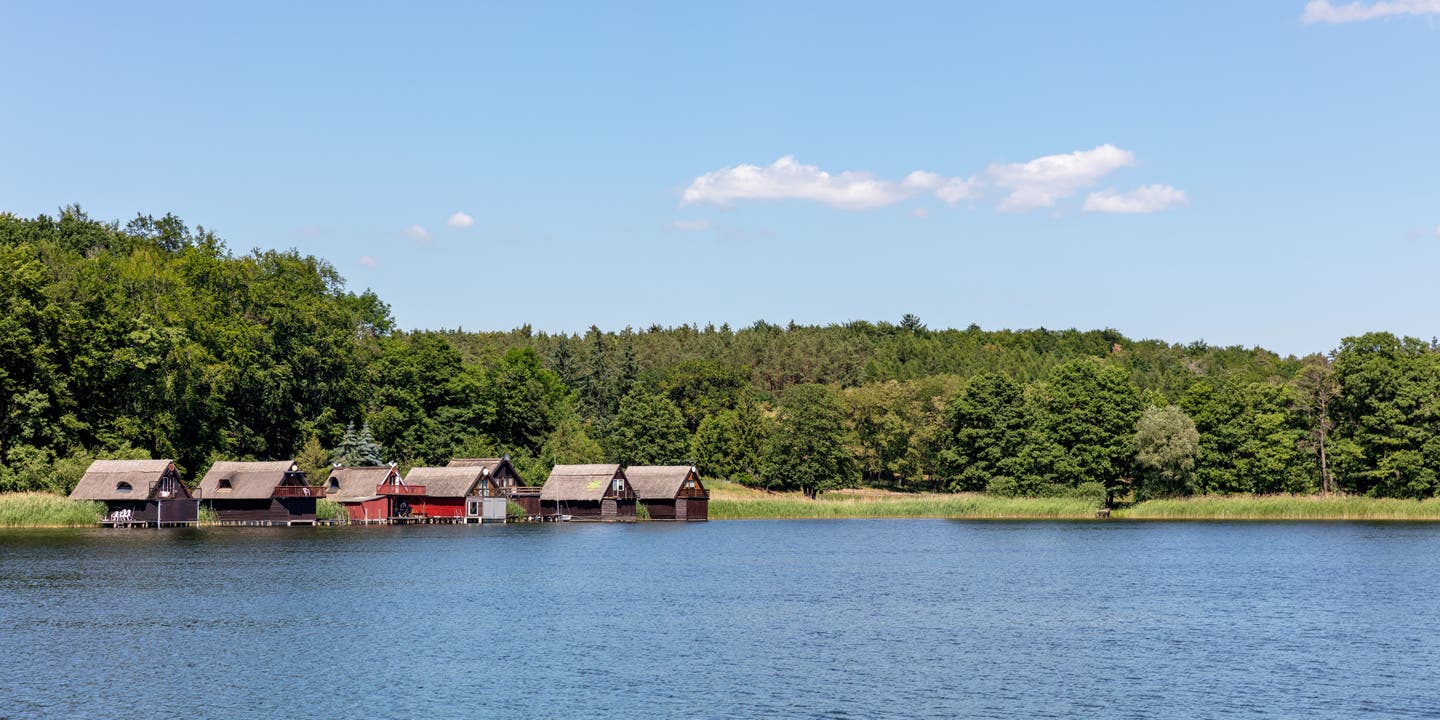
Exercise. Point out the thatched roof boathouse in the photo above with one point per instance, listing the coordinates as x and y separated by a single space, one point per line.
670 492
588 492
138 492
357 489
259 493
506 481
464 493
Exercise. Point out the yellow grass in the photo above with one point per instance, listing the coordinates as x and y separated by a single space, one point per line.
40 509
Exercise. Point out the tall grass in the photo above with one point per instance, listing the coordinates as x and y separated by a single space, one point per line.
1283 507
327 509
38 509
962 505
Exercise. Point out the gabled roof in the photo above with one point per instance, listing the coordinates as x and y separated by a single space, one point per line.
248 480
578 482
103 479
658 482
357 483
444 481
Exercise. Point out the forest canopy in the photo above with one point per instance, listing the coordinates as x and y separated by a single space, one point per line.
154 339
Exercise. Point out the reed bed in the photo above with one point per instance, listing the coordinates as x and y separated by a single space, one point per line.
962 505
40 509
326 509
1283 507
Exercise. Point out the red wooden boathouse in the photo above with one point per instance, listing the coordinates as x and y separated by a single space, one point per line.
357 489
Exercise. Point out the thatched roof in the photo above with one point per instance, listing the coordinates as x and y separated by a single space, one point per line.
248 480
102 481
444 481
357 483
658 482
578 482
487 463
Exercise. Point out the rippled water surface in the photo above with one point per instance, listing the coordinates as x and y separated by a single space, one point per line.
843 619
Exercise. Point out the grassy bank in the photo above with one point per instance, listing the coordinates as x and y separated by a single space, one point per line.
38 509
735 502
1284 507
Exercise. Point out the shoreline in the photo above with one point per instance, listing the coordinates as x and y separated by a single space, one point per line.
731 502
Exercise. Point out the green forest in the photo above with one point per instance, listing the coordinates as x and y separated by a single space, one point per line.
154 339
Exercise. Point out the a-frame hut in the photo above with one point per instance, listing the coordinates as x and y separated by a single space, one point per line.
507 481
357 489
464 493
259 493
138 492
588 492
670 492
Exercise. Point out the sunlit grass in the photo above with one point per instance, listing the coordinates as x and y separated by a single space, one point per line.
961 505
39 509
1283 507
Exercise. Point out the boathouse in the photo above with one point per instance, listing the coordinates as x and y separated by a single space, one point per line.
357 489
138 492
670 492
588 492
508 482
259 493
457 493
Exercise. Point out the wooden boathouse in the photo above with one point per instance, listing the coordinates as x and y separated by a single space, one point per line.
357 489
670 492
457 493
138 493
259 493
509 483
588 492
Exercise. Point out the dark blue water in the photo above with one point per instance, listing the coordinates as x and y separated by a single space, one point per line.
840 619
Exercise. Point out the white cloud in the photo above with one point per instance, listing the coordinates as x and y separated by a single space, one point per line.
1145 199
417 233
922 180
691 225
1039 183
786 179
920 213
1437 231
367 261
954 190
460 221
1044 180
1321 11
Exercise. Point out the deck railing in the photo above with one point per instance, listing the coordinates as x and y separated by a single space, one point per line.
396 489
297 491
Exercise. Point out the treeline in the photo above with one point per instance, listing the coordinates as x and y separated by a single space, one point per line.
154 339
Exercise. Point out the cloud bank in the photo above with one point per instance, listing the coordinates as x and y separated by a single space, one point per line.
1038 183
1321 11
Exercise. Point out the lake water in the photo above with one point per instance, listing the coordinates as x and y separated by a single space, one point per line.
835 619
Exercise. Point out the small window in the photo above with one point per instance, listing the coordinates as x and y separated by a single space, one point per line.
619 485
224 486
123 487
334 485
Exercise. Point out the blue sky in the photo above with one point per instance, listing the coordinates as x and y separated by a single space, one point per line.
1255 173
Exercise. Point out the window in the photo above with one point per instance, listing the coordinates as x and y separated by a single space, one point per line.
224 486
619 485
123 487
334 485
